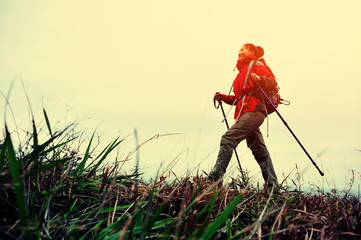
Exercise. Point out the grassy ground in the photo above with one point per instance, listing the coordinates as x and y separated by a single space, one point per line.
51 190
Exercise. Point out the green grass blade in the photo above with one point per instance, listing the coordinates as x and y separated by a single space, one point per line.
148 210
35 135
93 228
37 170
56 147
117 225
79 170
197 191
138 219
36 158
47 197
95 166
176 220
2 156
189 207
149 223
18 185
221 219
106 152
208 207
47 122
137 230
154 219
71 209
181 227
158 224
229 229
37 151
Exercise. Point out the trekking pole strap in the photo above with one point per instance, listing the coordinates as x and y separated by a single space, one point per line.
215 103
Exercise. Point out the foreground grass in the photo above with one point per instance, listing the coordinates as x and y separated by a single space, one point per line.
50 190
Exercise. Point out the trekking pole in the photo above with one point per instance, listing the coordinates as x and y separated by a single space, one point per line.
285 123
225 119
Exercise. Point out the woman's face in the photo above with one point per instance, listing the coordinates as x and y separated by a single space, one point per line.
244 52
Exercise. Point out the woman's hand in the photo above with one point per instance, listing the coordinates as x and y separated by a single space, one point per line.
255 77
218 96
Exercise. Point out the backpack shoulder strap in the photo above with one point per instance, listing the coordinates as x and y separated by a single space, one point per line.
248 70
244 86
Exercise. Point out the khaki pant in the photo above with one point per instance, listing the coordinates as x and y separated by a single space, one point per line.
247 127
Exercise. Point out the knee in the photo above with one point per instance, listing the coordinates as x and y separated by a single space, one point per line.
227 141
261 156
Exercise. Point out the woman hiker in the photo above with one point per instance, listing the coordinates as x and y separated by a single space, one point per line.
249 114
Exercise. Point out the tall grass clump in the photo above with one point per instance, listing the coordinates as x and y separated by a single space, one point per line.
51 190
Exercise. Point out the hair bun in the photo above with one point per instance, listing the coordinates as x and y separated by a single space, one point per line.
260 52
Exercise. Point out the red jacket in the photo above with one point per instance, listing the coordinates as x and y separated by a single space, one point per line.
253 97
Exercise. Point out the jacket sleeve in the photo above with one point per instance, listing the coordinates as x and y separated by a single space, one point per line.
229 99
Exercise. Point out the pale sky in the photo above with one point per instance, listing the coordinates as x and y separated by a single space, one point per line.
155 65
